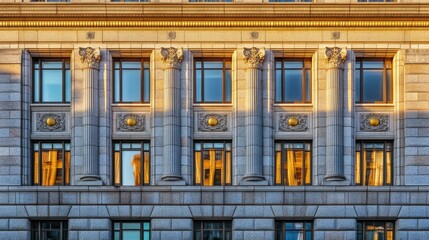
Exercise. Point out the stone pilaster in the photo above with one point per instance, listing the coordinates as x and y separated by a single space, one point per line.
335 58
253 59
172 59
90 124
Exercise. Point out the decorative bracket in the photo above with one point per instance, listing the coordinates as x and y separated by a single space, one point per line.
254 57
335 57
90 57
172 57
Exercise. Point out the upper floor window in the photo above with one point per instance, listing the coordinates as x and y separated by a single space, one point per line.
131 81
130 230
293 163
212 163
212 81
293 81
219 230
380 230
51 81
373 81
41 230
51 163
302 230
373 163
131 163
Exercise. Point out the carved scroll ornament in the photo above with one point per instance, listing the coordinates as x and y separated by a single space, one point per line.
335 57
90 57
130 122
374 122
254 57
172 57
212 122
293 122
51 122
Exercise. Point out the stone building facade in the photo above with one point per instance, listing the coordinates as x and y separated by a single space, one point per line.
363 82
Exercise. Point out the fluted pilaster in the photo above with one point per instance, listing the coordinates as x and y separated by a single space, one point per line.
254 58
172 59
335 58
90 167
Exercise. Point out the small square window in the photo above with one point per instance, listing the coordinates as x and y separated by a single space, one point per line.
44 230
131 163
293 163
130 230
51 163
51 81
373 81
220 230
293 80
131 81
212 81
373 163
212 163
380 230
294 230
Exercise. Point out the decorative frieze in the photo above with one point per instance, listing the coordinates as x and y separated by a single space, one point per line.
90 57
51 122
212 122
172 57
130 122
374 122
335 57
293 122
254 57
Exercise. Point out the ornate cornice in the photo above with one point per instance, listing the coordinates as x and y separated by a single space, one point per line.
172 57
335 57
90 57
254 57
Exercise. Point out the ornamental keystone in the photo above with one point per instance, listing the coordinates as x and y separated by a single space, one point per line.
90 57
172 57
335 57
254 57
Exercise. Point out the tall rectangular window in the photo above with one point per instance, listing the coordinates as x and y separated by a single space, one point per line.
51 81
294 230
210 230
131 81
293 163
380 230
51 163
212 163
132 163
373 81
44 230
131 230
212 81
373 163
293 80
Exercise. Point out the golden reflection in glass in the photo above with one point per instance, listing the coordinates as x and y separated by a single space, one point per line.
212 163
129 170
49 166
293 164
377 230
373 164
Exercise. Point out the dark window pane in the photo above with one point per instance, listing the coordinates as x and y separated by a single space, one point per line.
116 86
307 85
373 85
278 85
52 86
68 86
213 65
58 65
291 64
357 86
131 86
373 64
228 86
198 86
293 85
136 65
36 85
146 93
131 235
213 86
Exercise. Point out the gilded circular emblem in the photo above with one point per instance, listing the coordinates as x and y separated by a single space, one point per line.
131 121
374 121
293 121
50 121
212 121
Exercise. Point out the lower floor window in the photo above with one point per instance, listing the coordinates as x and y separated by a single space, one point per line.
293 163
294 230
212 230
131 165
131 230
373 163
380 230
49 230
51 163
212 163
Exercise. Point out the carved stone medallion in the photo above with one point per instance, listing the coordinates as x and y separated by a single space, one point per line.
172 57
335 57
51 122
212 122
130 122
374 122
90 57
293 122
254 57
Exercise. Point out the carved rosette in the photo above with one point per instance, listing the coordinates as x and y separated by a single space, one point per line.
335 57
286 126
123 122
90 57
254 57
204 124
172 57
59 120
366 125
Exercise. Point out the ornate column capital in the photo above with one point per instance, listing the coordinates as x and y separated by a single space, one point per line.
172 57
254 57
90 57
335 57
